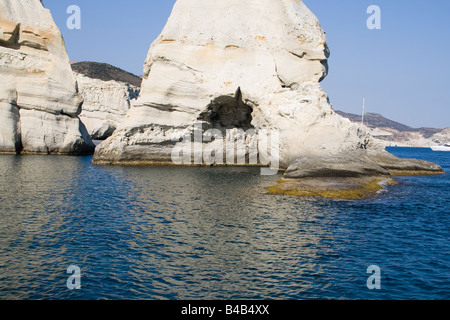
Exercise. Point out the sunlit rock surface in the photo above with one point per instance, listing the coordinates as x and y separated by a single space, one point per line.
240 65
39 102
105 105
235 64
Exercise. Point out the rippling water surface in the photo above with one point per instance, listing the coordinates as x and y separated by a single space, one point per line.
214 233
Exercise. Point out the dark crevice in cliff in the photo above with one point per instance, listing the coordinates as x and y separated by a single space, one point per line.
228 112
18 129
300 56
13 41
326 68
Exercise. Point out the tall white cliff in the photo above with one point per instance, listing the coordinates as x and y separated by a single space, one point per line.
39 101
235 64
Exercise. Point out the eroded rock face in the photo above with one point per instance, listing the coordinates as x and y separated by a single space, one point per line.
341 167
353 176
253 64
39 103
106 104
397 165
245 67
359 164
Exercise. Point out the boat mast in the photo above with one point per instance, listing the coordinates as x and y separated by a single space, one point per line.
363 110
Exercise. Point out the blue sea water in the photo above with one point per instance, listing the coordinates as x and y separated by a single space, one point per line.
214 233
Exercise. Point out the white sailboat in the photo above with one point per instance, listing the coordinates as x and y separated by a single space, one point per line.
443 147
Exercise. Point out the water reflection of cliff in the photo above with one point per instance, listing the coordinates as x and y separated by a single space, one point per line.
33 191
219 234
157 233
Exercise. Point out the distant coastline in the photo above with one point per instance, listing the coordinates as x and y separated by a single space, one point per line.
394 134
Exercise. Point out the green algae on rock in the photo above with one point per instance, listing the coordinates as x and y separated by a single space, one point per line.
353 176
345 188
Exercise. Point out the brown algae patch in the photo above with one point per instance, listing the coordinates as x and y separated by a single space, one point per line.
414 173
333 188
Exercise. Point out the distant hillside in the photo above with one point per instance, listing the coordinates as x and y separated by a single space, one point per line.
375 120
105 72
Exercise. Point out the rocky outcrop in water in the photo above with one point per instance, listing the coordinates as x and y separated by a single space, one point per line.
356 175
391 133
106 104
39 102
234 65
241 68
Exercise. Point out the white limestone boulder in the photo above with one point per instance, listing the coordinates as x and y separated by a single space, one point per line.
106 103
238 64
39 102
253 64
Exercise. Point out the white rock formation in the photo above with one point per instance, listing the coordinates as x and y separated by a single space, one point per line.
416 139
39 103
442 137
235 64
106 104
251 65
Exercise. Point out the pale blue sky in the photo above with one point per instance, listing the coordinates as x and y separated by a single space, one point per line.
402 69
